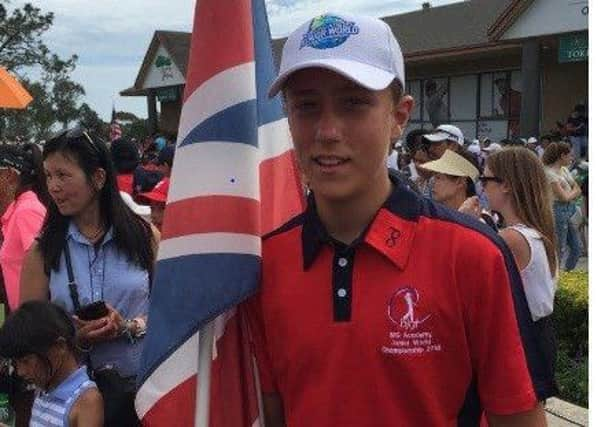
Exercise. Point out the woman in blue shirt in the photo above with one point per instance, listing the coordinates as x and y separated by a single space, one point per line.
111 252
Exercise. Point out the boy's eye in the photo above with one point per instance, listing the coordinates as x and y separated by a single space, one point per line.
355 100
305 105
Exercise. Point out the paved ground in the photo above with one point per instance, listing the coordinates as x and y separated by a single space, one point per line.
563 414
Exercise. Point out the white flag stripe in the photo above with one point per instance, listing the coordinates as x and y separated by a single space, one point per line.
215 168
177 368
228 88
274 138
209 243
220 325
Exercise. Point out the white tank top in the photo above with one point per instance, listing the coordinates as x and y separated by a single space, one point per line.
539 284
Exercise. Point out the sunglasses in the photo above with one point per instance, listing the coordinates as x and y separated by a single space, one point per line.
486 179
76 134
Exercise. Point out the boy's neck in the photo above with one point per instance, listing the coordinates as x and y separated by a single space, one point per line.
346 220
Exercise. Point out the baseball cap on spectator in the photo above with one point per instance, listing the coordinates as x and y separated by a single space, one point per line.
493 148
453 164
166 156
532 140
362 49
474 148
158 193
125 155
446 132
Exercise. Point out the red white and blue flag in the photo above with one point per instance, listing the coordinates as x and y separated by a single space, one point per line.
233 180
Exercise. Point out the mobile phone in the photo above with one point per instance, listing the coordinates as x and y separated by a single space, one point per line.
92 311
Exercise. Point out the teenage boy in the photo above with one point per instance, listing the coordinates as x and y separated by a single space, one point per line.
378 307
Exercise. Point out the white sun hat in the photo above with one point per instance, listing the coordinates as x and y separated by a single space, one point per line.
453 164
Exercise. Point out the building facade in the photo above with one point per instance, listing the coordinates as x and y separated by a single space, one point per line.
495 68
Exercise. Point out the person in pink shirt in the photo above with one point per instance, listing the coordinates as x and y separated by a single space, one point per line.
22 211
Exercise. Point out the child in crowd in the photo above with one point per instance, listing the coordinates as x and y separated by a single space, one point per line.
157 198
39 338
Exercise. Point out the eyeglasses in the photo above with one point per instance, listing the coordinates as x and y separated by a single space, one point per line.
486 179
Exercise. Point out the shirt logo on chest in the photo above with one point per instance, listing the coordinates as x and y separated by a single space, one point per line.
402 309
410 334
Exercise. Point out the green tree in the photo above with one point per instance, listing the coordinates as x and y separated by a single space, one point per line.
57 98
89 119
21 36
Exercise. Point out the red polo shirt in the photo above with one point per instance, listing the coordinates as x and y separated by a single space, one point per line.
417 323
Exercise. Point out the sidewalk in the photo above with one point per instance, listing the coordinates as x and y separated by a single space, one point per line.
564 414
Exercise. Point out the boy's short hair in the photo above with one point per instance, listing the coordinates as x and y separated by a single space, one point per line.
362 49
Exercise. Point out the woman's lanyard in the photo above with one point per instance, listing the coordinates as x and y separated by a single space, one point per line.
91 262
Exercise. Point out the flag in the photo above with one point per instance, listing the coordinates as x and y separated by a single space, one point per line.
115 128
233 180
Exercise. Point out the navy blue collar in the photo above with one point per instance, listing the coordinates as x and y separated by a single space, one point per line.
402 202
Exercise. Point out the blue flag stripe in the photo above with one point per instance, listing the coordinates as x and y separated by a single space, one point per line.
237 123
269 110
216 282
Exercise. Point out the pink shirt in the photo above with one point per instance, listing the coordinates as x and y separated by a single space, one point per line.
21 224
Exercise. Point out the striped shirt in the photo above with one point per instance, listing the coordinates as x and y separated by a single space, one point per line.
52 409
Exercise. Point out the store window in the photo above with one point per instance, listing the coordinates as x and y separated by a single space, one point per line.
481 105
414 89
463 96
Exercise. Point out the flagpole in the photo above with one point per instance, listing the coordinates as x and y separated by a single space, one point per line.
203 379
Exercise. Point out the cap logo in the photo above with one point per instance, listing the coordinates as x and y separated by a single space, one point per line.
328 31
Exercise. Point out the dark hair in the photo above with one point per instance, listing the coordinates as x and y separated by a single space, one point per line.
470 189
131 233
554 151
166 156
124 155
33 328
412 137
27 160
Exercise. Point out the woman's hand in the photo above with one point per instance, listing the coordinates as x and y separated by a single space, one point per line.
99 330
471 207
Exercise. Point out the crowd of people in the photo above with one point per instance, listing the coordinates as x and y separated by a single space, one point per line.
409 278
441 164
80 229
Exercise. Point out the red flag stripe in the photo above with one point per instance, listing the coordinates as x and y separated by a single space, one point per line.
281 191
175 408
231 45
211 214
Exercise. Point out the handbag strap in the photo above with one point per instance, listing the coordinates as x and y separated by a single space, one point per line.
72 285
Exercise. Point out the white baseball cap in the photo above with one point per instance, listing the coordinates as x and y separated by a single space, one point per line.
361 48
444 132
474 148
532 140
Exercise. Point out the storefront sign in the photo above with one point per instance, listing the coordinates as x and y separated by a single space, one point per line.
167 94
573 48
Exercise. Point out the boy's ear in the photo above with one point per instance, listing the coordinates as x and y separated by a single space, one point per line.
402 114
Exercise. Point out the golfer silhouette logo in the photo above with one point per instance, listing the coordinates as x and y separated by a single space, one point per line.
402 309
